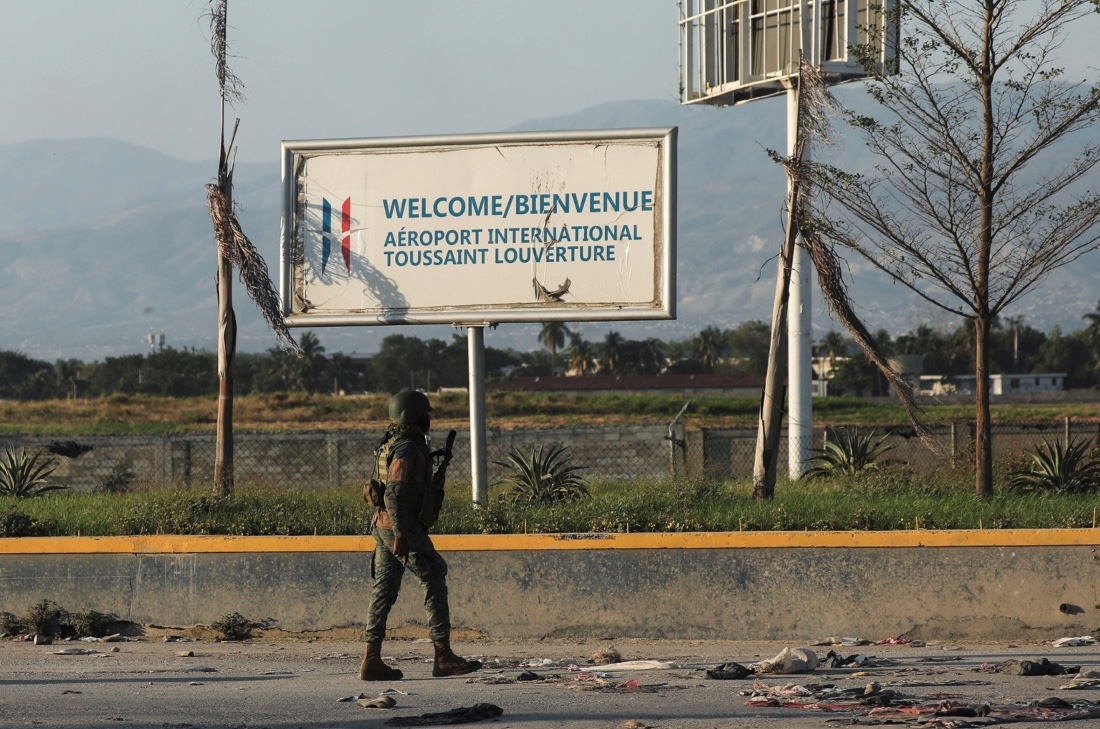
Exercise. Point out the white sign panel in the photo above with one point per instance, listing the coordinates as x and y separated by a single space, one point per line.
480 228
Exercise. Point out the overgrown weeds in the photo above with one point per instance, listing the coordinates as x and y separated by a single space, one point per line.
47 618
891 498
234 627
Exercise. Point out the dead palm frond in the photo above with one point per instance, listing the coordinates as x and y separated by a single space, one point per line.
231 86
816 106
253 272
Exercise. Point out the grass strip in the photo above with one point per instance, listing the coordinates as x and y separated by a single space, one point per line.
874 502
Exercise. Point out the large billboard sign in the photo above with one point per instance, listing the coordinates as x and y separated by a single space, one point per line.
570 226
733 51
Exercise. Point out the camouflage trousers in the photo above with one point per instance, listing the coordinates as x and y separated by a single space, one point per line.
427 566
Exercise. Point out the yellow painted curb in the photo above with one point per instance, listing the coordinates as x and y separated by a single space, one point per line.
182 544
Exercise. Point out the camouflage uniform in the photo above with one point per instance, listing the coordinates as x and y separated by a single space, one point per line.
407 467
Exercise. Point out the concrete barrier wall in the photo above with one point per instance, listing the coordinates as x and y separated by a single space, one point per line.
984 585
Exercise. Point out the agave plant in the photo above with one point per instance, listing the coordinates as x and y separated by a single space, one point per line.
545 476
23 476
1054 468
850 454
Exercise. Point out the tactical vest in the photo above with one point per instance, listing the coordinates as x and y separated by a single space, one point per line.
420 483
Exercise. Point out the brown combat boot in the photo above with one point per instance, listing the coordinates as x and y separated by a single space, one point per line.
373 669
448 664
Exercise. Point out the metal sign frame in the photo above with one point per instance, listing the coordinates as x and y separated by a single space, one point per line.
531 227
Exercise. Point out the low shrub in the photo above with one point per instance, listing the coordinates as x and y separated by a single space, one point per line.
1073 468
23 475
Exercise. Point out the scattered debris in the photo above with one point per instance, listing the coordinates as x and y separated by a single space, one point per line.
491 680
542 662
1083 680
789 660
185 654
530 676
382 702
833 660
607 655
834 640
1072 642
465 715
1040 667
635 666
76 652
729 672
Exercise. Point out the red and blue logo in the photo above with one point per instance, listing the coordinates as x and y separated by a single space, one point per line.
326 233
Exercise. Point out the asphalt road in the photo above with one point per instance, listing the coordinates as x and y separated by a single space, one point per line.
284 684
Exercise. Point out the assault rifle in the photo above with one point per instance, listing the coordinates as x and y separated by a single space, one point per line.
445 455
433 497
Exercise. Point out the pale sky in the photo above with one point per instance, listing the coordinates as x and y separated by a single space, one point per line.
141 70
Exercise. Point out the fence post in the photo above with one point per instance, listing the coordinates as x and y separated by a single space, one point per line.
334 464
185 457
1068 430
676 437
695 463
954 440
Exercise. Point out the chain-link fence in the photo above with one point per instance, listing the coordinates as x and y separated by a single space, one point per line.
317 460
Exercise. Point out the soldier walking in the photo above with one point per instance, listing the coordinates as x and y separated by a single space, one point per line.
407 506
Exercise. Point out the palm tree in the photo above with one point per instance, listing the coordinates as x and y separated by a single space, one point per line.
552 336
612 352
711 346
1092 331
581 357
833 343
307 365
651 356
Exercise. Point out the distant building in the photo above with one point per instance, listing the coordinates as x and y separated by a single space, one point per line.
734 385
1013 384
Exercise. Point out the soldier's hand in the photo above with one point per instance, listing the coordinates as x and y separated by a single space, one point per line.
400 549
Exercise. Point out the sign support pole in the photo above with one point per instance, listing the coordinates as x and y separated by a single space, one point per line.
479 467
799 373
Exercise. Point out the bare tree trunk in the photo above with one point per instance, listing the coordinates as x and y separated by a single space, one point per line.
983 432
771 404
227 347
983 445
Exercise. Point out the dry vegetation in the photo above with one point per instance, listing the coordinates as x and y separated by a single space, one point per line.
299 411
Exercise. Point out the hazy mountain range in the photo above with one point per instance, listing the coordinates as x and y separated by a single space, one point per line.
104 241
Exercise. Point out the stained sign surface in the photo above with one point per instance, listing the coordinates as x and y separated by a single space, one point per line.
496 228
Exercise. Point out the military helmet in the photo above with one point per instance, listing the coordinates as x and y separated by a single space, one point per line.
408 406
